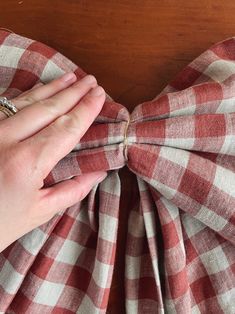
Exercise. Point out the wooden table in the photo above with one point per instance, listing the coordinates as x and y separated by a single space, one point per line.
134 48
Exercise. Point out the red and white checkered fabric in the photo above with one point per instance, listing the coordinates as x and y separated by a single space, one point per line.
180 255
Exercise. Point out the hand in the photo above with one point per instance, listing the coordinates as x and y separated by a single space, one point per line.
51 120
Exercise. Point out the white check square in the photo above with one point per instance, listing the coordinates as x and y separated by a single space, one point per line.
32 241
49 293
10 57
220 70
51 72
10 279
225 180
214 260
69 252
107 228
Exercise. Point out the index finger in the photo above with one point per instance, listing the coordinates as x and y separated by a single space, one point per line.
55 141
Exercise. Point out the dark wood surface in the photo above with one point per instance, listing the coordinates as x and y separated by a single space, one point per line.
134 48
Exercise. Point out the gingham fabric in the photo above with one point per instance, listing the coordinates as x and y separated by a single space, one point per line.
180 255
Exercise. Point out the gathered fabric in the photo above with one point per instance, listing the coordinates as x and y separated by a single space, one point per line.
180 254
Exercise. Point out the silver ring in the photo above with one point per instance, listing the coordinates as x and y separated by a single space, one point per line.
8 104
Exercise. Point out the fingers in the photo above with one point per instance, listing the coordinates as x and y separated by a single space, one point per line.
67 193
55 141
32 119
3 116
45 91
28 91
41 91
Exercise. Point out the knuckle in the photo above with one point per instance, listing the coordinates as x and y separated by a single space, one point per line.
49 106
88 100
68 123
28 99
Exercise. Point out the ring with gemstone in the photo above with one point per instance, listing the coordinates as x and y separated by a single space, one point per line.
7 106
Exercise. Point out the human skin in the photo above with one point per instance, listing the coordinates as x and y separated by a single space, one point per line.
51 120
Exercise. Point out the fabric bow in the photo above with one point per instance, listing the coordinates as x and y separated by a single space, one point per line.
181 236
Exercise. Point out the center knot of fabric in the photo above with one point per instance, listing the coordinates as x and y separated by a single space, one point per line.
125 140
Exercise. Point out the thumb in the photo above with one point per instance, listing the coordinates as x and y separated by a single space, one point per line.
67 193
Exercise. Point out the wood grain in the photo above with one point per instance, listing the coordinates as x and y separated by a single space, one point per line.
134 48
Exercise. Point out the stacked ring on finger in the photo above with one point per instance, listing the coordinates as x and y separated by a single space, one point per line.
7 107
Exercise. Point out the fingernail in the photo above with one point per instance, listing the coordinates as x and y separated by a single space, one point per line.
89 79
101 178
37 85
68 77
97 91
